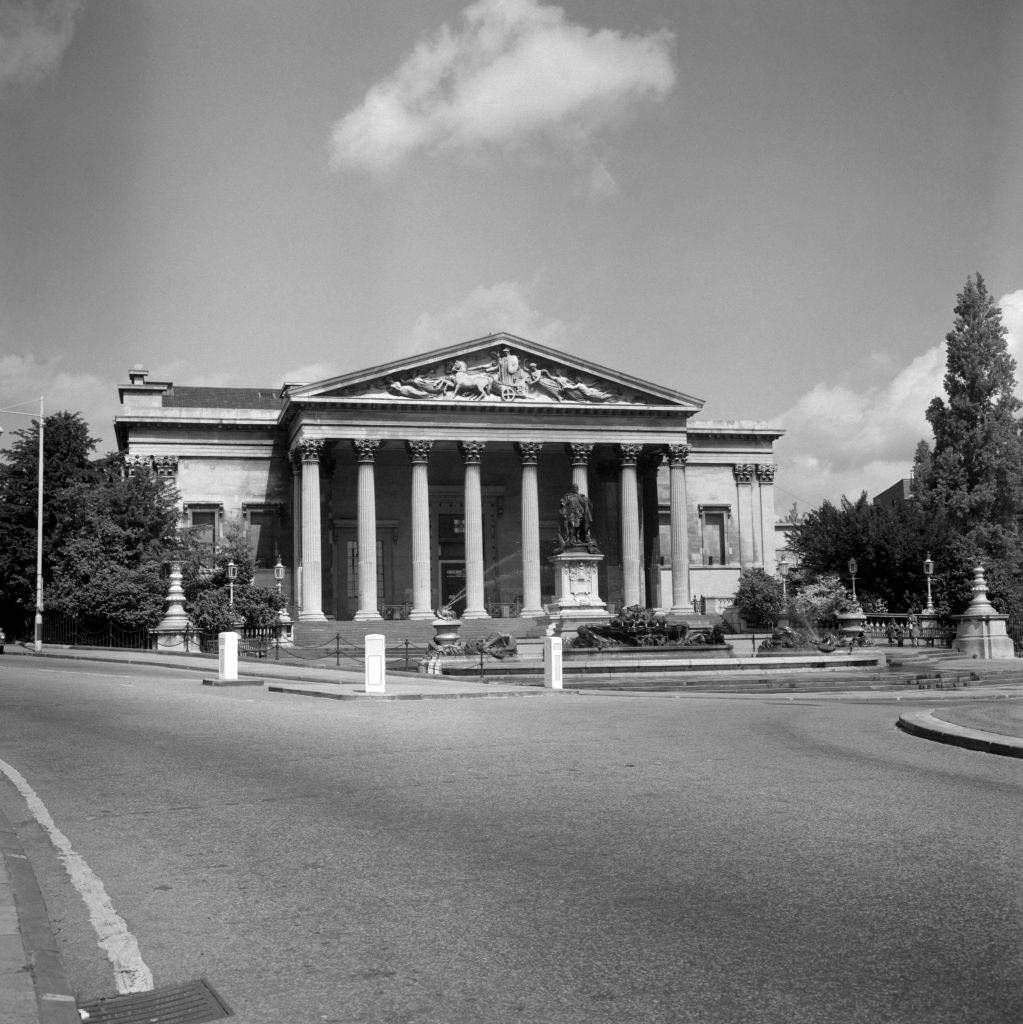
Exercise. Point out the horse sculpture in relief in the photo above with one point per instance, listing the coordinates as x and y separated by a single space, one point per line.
461 378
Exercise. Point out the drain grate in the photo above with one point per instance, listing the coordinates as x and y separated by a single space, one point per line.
191 1003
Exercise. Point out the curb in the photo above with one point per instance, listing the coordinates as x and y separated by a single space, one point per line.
316 690
55 1000
926 726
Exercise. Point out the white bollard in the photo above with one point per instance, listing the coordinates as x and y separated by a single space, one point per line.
376 663
552 662
227 645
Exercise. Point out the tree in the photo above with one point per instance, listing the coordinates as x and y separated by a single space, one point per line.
975 469
974 472
67 448
889 544
819 600
759 598
110 548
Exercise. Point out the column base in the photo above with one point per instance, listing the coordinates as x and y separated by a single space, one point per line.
372 616
475 613
418 615
532 613
311 617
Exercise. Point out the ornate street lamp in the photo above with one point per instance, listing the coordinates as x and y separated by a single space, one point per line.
279 573
232 575
783 572
928 573
852 572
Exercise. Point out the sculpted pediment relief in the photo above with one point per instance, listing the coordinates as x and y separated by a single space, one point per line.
503 376
502 371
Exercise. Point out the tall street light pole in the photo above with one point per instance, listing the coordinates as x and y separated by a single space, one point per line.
39 526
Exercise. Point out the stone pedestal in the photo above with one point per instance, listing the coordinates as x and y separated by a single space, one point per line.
981 630
576 597
170 633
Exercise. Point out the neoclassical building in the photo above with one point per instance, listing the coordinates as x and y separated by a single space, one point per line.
437 479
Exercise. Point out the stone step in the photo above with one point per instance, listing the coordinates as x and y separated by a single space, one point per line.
416 632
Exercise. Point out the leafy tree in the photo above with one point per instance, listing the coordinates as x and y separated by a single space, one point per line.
759 598
111 547
204 567
819 600
888 543
67 448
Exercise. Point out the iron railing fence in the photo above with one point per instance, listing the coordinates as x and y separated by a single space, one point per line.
266 642
92 631
1014 628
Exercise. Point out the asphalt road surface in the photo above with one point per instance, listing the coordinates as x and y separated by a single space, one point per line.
549 859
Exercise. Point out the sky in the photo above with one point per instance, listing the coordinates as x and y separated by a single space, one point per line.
768 204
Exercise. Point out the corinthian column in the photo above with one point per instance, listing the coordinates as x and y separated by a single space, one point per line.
580 461
365 453
310 451
765 474
475 596
419 453
744 504
529 451
632 564
678 455
295 463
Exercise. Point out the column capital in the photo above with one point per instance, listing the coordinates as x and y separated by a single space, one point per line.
678 454
365 449
472 452
630 453
419 451
766 471
580 452
309 449
743 473
529 452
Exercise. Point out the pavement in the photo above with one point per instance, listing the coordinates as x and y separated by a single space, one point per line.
984 715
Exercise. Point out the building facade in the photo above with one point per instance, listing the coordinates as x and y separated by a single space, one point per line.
437 479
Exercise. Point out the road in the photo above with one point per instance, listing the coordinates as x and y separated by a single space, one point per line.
551 859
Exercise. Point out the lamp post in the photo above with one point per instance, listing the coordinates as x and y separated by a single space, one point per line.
928 573
783 572
279 573
852 572
38 640
232 575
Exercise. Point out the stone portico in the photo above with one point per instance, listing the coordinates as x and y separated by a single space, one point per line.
436 479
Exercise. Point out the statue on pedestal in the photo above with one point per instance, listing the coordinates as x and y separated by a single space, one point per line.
575 520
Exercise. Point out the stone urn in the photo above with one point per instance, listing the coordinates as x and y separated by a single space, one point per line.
851 621
445 632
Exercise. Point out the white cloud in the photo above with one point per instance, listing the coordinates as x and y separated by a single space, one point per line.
63 389
33 37
842 441
514 70
504 306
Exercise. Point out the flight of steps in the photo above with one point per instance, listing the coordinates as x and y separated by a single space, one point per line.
310 635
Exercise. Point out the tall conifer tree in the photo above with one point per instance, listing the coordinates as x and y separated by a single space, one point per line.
974 472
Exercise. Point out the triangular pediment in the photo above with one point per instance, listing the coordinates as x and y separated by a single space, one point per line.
497 369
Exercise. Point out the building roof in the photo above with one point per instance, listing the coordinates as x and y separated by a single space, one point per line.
222 398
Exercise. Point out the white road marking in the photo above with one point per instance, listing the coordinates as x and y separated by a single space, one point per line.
130 972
